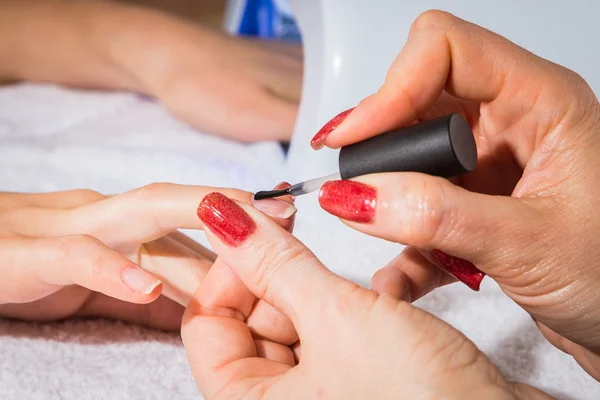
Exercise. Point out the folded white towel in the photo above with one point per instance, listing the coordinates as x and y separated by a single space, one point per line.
53 139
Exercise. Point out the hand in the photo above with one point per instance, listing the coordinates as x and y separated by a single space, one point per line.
353 343
79 253
244 89
240 88
527 216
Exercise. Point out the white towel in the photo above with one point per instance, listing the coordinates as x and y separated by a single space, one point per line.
52 138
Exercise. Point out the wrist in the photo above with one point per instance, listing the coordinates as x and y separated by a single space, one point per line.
149 46
62 41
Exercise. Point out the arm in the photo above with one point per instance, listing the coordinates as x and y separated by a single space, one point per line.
94 43
239 88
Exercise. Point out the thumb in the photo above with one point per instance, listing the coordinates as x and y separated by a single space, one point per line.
271 263
432 213
40 267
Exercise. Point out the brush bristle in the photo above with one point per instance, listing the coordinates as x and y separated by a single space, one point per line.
268 194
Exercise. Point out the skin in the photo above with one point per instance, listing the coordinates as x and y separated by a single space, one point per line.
63 254
353 343
240 88
527 216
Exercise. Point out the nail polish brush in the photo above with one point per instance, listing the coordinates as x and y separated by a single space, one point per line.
442 147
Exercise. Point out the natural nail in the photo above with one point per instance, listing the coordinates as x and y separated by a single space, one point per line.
227 220
282 185
139 280
318 141
463 270
350 200
275 208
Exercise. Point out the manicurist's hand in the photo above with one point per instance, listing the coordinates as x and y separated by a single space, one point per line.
353 343
527 216
79 253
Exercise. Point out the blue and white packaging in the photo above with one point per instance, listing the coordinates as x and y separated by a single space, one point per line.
267 19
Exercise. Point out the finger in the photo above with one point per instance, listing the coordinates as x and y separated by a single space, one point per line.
192 245
135 217
180 269
253 110
38 267
274 351
273 110
409 276
64 199
163 313
273 264
285 216
587 359
267 322
220 348
431 213
140 215
297 350
264 320
444 52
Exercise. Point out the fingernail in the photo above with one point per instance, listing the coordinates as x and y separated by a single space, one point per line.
350 200
227 220
463 270
282 185
139 280
318 141
275 208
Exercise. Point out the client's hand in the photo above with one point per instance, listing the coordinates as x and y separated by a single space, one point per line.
240 88
79 253
355 344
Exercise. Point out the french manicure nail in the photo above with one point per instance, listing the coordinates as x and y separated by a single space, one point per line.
318 141
139 280
463 270
350 200
227 220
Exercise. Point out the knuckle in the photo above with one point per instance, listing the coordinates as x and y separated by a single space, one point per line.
427 213
75 248
274 257
68 245
87 196
432 18
152 191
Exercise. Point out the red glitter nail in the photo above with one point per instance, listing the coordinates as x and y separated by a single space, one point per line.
349 200
227 220
318 140
462 270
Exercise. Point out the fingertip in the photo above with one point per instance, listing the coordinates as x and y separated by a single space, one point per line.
463 270
374 115
142 283
282 209
393 282
288 198
275 208
322 136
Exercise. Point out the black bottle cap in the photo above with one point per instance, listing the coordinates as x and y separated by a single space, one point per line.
441 147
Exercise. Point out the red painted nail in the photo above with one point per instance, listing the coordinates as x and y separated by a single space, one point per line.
228 221
349 200
462 270
318 140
